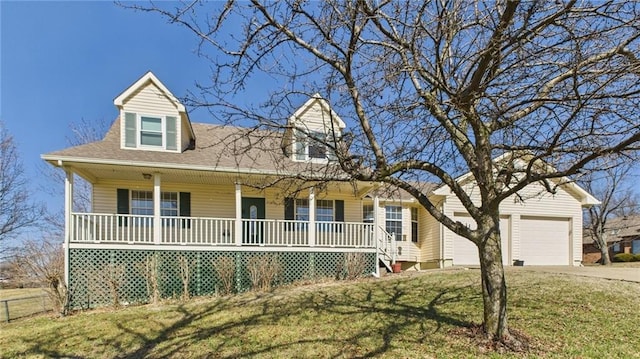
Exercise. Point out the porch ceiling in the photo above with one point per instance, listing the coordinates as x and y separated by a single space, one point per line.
95 173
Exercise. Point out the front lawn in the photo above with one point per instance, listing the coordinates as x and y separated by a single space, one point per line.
419 315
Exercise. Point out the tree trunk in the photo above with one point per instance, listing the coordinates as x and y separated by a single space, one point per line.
604 251
494 287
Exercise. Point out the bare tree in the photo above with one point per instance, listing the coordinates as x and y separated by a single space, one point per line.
42 261
82 132
17 212
613 187
433 90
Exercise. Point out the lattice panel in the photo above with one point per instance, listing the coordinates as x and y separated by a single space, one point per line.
97 276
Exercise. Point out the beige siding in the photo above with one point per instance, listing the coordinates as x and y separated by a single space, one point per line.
537 202
185 137
149 100
315 118
429 229
216 201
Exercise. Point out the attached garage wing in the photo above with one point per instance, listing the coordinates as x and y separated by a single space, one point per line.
545 241
466 253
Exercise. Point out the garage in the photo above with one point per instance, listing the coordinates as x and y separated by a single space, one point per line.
466 253
545 241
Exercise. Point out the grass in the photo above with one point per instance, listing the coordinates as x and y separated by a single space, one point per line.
22 302
423 315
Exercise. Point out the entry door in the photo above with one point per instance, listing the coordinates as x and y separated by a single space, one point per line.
253 209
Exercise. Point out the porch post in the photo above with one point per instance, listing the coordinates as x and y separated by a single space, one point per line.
68 208
311 231
376 220
238 214
157 224
376 231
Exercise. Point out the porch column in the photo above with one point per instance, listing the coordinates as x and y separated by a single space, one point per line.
68 208
312 218
376 224
157 224
238 228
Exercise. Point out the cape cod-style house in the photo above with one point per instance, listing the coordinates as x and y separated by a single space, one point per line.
166 187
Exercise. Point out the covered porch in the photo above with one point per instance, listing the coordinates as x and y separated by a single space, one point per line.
133 205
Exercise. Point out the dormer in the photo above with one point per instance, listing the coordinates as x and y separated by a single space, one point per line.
152 118
311 128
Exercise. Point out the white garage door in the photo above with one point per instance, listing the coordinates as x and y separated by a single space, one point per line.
466 253
544 241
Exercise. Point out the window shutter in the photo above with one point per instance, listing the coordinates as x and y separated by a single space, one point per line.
172 133
289 208
339 210
130 129
339 215
185 209
122 205
289 213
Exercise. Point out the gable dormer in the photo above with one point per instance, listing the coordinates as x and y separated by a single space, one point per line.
152 118
312 128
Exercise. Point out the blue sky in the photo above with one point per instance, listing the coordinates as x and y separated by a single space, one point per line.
61 62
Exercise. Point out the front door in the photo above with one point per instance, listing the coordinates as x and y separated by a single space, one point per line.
253 210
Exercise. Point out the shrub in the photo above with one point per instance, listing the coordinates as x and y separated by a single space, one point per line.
623 257
636 257
355 265
264 271
225 268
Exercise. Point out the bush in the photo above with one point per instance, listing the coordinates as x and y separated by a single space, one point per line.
225 268
623 257
636 257
264 271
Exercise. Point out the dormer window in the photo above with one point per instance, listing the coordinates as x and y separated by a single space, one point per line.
312 145
150 132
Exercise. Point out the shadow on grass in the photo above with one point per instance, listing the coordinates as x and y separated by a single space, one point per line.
353 321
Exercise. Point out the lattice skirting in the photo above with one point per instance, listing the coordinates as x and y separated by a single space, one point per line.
97 276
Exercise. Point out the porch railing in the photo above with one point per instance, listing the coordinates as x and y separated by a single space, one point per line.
135 229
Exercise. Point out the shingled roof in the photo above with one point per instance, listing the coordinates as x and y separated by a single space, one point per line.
218 148
619 228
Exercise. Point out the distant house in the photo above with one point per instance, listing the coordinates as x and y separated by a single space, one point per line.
164 186
623 236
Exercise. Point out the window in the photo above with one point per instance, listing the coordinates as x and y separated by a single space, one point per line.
393 216
142 203
302 210
367 213
414 225
324 210
151 131
616 247
311 146
169 204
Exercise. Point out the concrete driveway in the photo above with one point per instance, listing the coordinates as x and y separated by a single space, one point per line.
630 274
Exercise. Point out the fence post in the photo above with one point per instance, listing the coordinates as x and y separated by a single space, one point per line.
6 309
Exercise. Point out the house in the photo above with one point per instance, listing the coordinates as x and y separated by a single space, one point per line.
167 188
623 236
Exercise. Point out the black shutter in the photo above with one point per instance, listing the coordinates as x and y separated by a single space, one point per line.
289 212
339 215
185 209
123 205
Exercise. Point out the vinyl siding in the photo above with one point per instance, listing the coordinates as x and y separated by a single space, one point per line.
315 118
537 202
216 201
429 229
149 100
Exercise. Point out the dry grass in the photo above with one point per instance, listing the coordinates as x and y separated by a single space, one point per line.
23 302
425 315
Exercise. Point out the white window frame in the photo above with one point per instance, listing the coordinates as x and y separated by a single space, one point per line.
388 219
414 224
305 137
162 195
139 143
